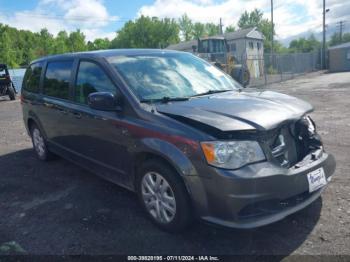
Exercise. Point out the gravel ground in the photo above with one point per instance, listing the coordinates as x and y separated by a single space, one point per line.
59 208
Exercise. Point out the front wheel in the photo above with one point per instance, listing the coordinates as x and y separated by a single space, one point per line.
244 77
11 92
163 196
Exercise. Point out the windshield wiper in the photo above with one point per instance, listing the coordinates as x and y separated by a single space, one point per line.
164 99
209 92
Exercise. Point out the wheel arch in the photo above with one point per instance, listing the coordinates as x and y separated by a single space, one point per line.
142 157
33 120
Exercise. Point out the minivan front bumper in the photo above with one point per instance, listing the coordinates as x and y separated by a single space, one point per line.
255 195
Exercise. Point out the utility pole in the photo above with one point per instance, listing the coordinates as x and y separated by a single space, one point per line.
272 28
324 36
221 25
341 27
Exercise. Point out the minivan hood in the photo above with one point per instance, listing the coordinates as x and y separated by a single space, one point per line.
233 111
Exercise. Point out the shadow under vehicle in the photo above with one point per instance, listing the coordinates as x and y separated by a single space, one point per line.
7 87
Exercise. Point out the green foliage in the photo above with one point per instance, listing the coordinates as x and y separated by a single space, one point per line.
20 47
186 27
255 19
146 32
337 40
76 41
230 28
7 53
211 29
60 46
304 45
190 30
252 19
99 43
198 30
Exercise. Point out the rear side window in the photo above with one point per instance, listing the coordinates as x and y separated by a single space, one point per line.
91 78
31 79
57 78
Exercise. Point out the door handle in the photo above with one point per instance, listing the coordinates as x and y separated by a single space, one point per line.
77 115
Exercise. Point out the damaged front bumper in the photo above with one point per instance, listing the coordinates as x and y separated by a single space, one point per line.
258 194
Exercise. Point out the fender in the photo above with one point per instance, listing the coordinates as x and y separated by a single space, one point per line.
168 151
33 116
182 164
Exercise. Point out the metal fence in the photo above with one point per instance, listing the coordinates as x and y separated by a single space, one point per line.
269 68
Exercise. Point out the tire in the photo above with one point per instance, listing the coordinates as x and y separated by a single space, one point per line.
11 92
160 206
244 77
39 144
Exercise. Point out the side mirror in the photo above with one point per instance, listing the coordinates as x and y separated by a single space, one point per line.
104 101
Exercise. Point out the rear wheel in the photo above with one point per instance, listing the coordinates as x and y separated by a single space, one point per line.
164 196
11 92
39 144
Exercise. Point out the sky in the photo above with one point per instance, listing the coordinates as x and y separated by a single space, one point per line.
103 18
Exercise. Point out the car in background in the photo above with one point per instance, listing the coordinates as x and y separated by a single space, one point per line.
6 86
180 133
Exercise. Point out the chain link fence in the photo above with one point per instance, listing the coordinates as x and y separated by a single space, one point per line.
267 69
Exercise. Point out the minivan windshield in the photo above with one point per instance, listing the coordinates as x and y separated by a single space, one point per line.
171 75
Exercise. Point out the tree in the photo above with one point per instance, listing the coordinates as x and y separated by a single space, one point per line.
230 28
198 30
186 27
7 54
61 43
255 19
45 43
20 47
76 41
251 19
99 44
212 29
304 44
336 39
146 32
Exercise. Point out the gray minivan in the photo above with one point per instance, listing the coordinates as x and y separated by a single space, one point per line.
180 133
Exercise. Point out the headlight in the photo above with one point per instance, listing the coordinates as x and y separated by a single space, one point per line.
232 154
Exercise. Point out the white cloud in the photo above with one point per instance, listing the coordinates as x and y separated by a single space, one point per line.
291 17
205 11
92 34
88 15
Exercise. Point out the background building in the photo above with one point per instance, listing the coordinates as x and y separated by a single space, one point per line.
339 58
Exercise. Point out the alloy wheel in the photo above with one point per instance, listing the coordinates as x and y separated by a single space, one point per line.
39 143
158 197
